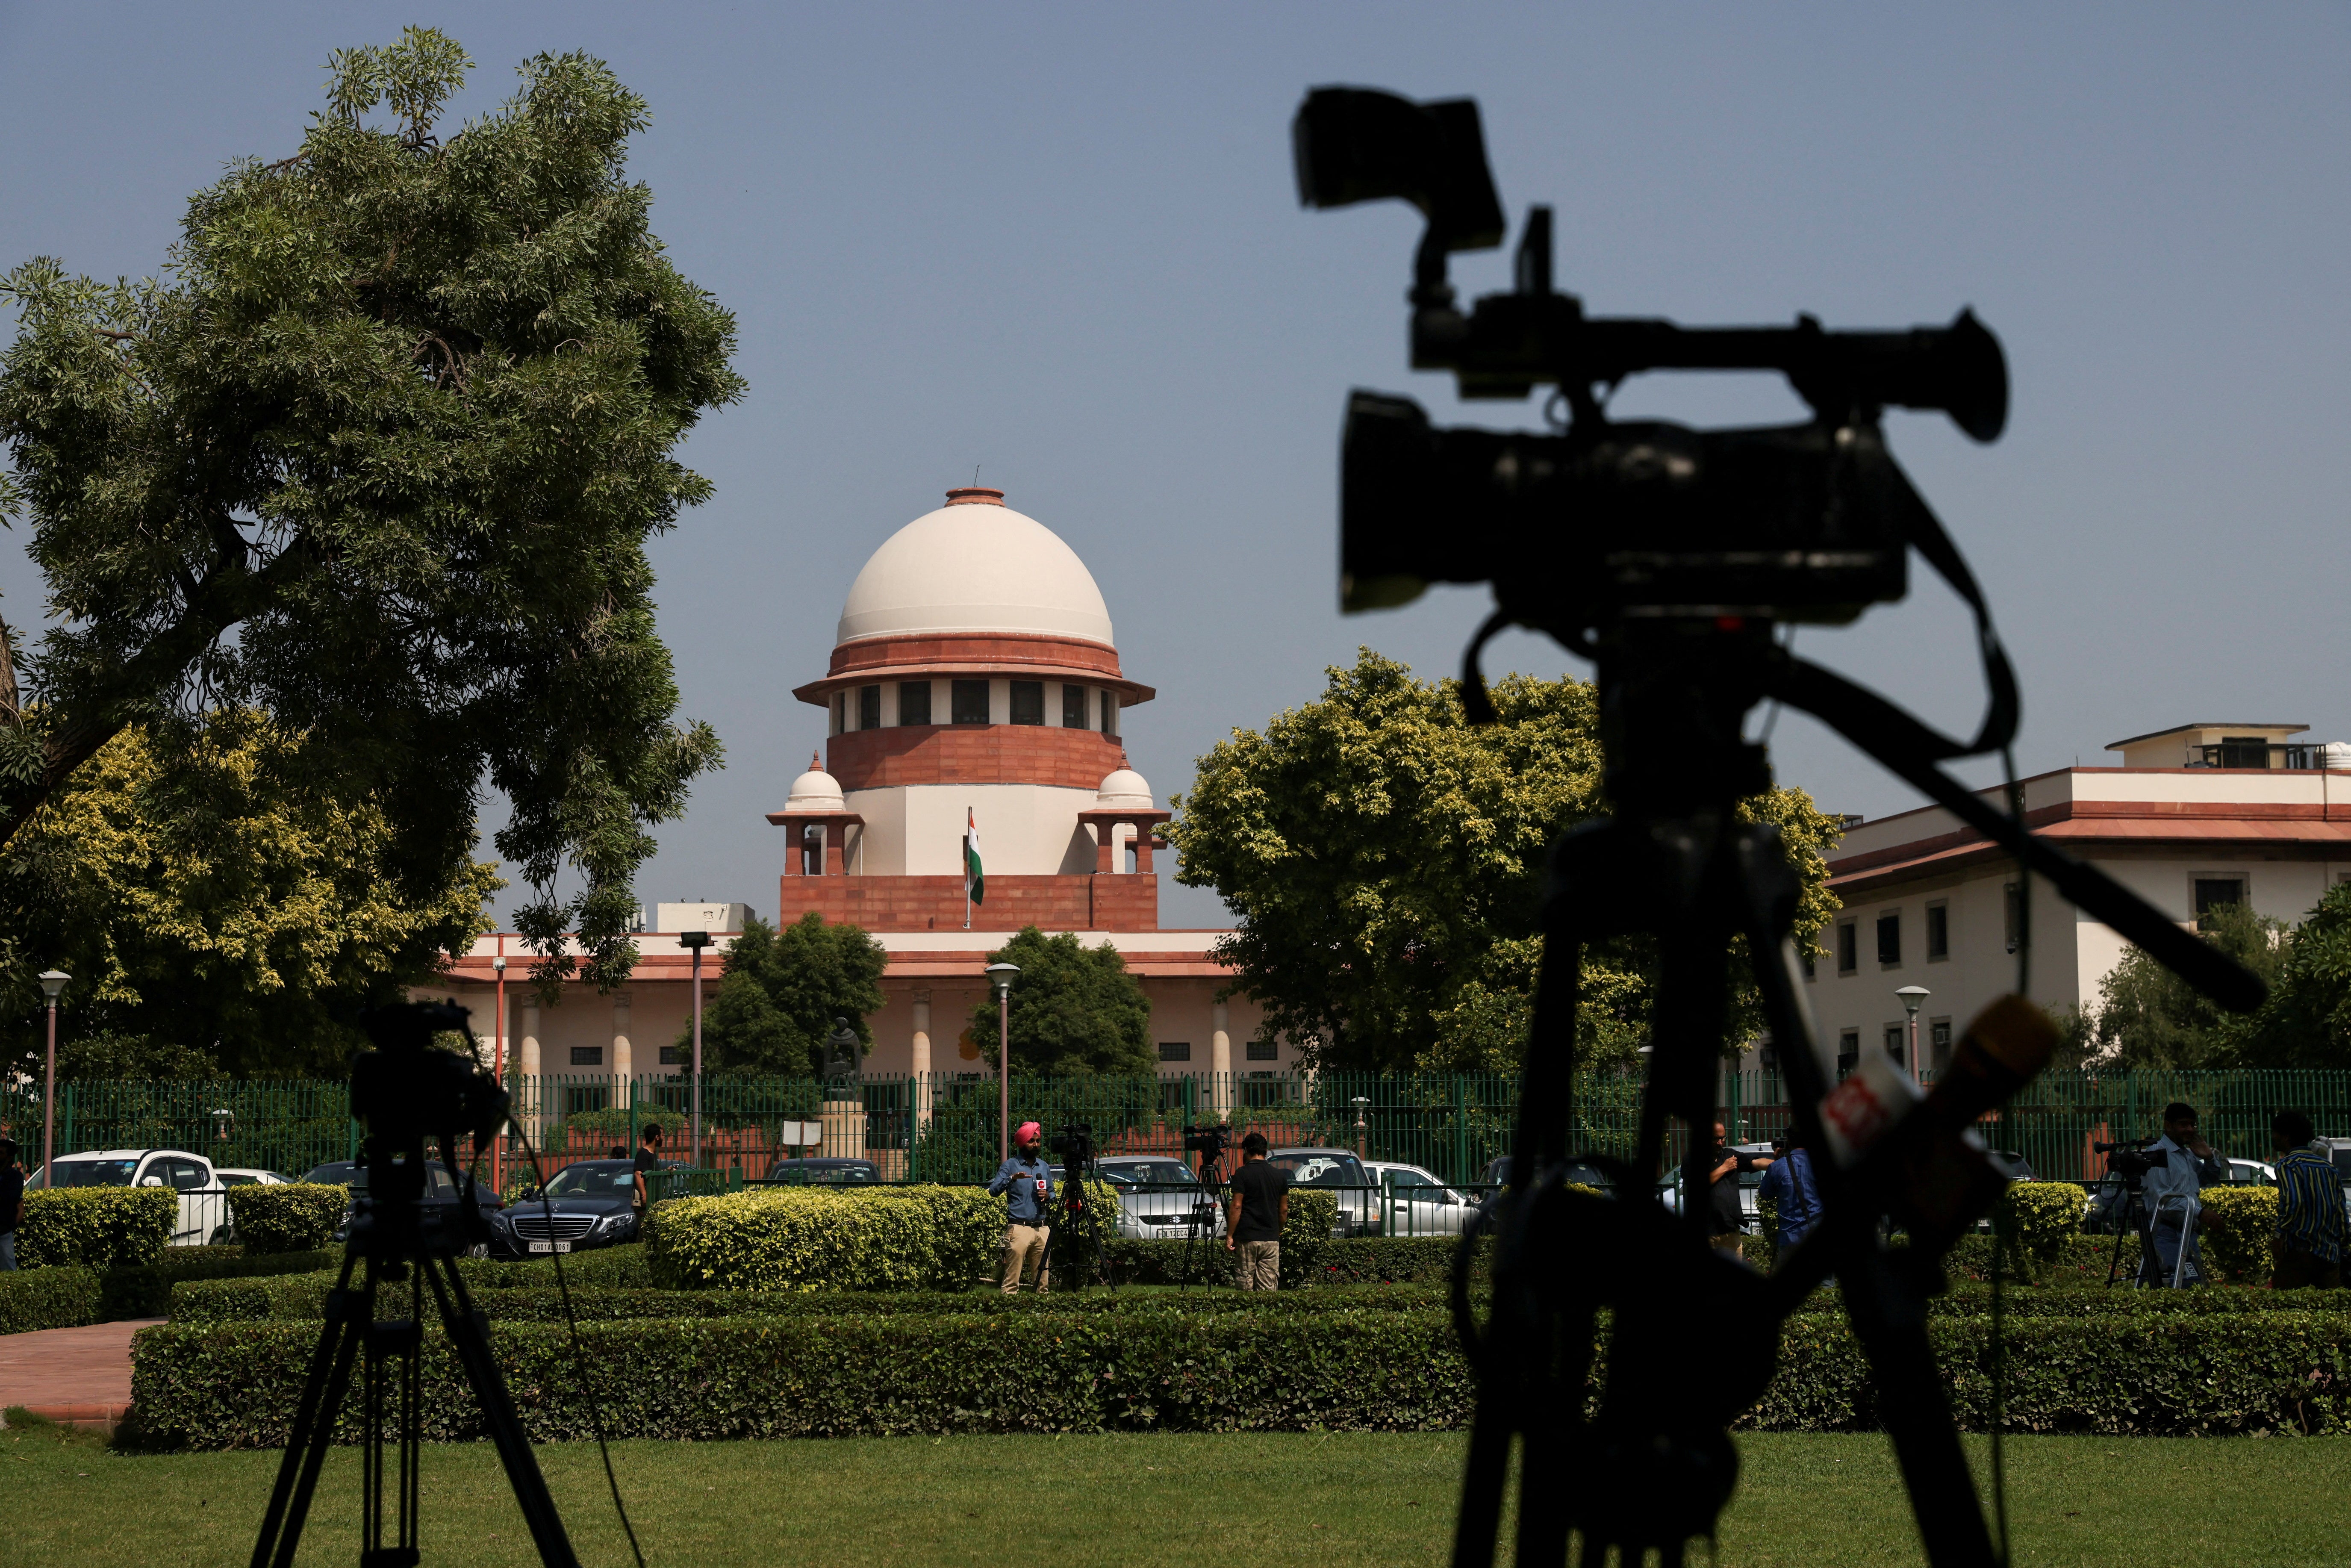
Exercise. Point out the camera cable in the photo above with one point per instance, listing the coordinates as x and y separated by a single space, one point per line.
578 1351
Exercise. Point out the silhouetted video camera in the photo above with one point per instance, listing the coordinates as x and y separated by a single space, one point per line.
2132 1161
410 1094
1209 1141
1808 522
1075 1144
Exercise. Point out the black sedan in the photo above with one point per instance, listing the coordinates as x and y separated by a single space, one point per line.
821 1173
586 1204
441 1191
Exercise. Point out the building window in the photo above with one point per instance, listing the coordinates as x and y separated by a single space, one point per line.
1938 1043
1264 1051
1073 707
838 699
673 1056
1027 702
1848 1051
2212 892
1174 1050
914 702
970 701
1848 947
2244 751
1894 1042
1889 940
2012 918
1939 932
587 1056
578 1098
1110 713
869 707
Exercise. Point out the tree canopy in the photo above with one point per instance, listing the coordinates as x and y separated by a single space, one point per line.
378 457
1076 1010
215 919
1384 858
2148 1017
781 992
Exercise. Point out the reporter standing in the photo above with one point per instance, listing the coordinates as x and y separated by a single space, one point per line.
1254 1215
1026 1183
2173 1200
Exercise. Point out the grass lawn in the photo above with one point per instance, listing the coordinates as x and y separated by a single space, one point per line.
1136 1502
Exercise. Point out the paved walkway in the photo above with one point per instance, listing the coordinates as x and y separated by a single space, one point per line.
78 1375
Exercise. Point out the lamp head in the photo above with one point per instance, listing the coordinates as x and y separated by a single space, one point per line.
53 981
498 964
696 940
1002 975
1911 997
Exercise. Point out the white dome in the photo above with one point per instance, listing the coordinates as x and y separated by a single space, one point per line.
1123 790
975 567
815 790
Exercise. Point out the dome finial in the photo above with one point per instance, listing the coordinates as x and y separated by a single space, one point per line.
975 496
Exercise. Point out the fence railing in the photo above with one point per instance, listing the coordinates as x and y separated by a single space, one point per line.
943 1126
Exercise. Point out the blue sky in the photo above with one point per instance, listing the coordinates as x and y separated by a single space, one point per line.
1062 242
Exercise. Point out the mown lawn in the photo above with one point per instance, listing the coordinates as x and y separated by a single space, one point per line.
1137 1501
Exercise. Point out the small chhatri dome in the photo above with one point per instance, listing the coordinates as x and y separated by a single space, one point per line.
816 790
1124 789
975 566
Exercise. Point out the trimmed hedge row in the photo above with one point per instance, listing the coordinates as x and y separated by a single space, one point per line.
68 1297
286 1217
808 1238
235 1384
96 1227
60 1297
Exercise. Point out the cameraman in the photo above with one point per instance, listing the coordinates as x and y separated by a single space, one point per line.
1029 1182
2172 1201
2307 1250
12 1204
1253 1216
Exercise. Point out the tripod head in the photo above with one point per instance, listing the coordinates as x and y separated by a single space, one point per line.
411 1092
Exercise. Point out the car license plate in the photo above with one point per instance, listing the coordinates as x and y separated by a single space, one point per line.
550 1245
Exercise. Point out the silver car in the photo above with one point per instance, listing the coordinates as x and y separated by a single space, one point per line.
1160 1196
1415 1203
1341 1171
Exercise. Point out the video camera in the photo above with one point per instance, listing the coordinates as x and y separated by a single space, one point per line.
409 1094
1809 522
1075 1144
2132 1161
1209 1141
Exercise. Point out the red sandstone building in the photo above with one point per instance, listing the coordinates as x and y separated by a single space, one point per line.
974 678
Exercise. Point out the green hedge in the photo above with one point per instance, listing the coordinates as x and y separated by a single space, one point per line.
96 1227
821 1239
59 1298
1366 1260
1153 1366
293 1217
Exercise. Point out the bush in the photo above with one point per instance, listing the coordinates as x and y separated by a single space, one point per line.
59 1298
296 1216
1083 1367
819 1239
2238 1225
610 1126
1357 1261
96 1227
2036 1220
620 1267
144 1290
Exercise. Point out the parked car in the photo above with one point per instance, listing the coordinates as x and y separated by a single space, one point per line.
1160 1196
1415 1203
1357 1194
586 1205
821 1172
1583 1172
238 1176
440 1189
204 1201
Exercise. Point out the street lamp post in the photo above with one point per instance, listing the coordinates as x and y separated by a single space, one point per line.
1911 997
697 941
1001 974
498 1068
1360 1101
52 982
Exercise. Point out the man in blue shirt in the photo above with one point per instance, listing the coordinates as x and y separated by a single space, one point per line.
1788 1184
2308 1248
1025 1182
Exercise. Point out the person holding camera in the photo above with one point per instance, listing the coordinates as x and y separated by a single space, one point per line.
1727 1220
2172 1189
2307 1250
1254 1215
1026 1184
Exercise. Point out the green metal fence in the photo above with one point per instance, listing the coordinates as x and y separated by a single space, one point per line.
943 1126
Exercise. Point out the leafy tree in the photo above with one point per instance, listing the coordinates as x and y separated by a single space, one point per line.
1384 857
379 457
2307 1020
1076 1012
781 992
215 916
2148 1017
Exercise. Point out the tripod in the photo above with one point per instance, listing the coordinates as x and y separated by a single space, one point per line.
1694 1335
1078 1219
2129 1218
1203 1226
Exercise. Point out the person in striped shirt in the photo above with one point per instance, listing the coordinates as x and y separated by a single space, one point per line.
2308 1248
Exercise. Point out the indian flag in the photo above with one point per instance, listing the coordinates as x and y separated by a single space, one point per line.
974 884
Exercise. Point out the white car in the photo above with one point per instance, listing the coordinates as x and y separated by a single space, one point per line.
1417 1203
1160 1196
204 1201
238 1176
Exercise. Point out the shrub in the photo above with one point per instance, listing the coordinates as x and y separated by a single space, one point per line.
612 1125
144 1290
833 1238
1356 1261
1080 1367
298 1216
2238 1223
96 1227
59 1298
624 1267
2036 1218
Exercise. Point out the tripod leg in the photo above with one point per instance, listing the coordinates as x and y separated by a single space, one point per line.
469 1333
313 1420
